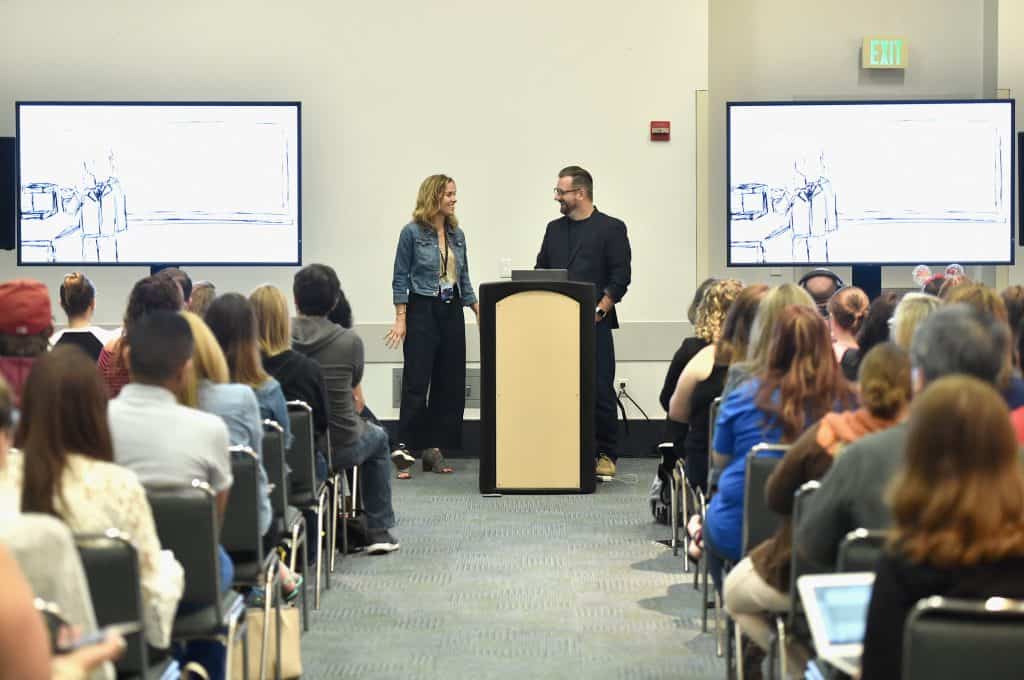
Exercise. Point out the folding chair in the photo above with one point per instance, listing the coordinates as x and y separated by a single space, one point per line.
305 492
759 524
946 639
112 570
186 523
289 520
240 535
788 623
860 550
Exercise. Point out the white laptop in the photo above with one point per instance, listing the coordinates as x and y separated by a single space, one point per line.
837 611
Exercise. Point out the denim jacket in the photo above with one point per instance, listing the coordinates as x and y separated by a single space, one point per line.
418 264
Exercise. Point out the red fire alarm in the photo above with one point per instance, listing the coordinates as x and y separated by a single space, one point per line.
661 130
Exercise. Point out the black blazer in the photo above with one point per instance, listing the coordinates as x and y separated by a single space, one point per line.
601 257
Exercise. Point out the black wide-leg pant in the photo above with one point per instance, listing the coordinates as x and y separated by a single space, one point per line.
434 376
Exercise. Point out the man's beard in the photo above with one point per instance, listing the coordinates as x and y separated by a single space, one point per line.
564 208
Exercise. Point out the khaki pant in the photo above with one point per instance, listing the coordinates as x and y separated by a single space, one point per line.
751 602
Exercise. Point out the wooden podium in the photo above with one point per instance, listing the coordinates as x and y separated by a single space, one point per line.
537 387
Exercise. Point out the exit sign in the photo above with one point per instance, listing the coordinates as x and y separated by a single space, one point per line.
884 53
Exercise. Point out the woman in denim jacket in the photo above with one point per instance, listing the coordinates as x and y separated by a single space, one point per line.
430 286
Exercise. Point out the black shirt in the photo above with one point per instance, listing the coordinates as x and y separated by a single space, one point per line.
84 340
301 379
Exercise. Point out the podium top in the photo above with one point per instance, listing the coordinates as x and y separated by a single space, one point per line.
540 274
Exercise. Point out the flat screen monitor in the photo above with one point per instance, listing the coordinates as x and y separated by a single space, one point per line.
875 183
150 183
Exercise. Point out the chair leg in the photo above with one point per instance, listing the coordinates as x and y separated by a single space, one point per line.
704 598
320 556
245 657
305 581
738 650
334 519
684 494
719 631
277 626
328 539
780 624
673 492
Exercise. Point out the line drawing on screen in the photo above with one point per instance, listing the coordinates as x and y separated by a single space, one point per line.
897 183
121 184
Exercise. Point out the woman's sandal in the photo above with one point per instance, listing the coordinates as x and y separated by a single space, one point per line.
295 581
433 461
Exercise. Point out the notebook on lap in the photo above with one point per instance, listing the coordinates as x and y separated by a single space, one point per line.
837 611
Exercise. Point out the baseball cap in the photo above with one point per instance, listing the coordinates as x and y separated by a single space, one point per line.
24 307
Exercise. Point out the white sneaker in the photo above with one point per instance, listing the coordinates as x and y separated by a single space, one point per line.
381 542
402 459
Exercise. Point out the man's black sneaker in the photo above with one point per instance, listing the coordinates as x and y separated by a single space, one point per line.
381 542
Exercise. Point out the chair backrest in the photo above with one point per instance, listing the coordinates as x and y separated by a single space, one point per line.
860 550
798 566
45 551
946 638
277 471
759 521
716 404
112 569
302 455
186 523
240 532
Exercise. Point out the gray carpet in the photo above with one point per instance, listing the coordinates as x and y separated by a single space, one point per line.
519 586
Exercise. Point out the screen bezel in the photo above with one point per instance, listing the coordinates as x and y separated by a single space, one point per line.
860 102
297 105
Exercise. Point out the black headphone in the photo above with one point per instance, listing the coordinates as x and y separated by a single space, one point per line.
821 271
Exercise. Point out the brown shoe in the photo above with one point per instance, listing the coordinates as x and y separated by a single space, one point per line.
433 461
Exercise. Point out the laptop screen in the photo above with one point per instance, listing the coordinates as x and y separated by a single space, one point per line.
844 611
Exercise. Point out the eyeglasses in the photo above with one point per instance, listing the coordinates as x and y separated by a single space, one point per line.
563 192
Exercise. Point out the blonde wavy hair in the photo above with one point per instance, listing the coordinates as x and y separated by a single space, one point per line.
208 362
714 307
428 201
272 323
911 311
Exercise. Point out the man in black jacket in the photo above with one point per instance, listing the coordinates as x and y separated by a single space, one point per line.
594 247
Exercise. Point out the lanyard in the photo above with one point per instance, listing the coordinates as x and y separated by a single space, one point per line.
444 257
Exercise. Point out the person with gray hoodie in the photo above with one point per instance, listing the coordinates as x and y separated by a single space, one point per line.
354 441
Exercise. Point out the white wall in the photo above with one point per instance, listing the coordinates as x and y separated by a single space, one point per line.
499 95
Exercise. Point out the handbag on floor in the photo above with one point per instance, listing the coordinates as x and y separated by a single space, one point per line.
291 645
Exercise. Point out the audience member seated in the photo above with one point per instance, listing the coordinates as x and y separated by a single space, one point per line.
233 322
799 384
821 284
150 294
689 347
63 466
703 378
165 443
207 388
203 293
911 311
299 376
958 514
26 325
78 300
339 352
25 642
1013 300
955 339
400 455
846 312
950 282
761 333
875 328
184 282
986 301
759 585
